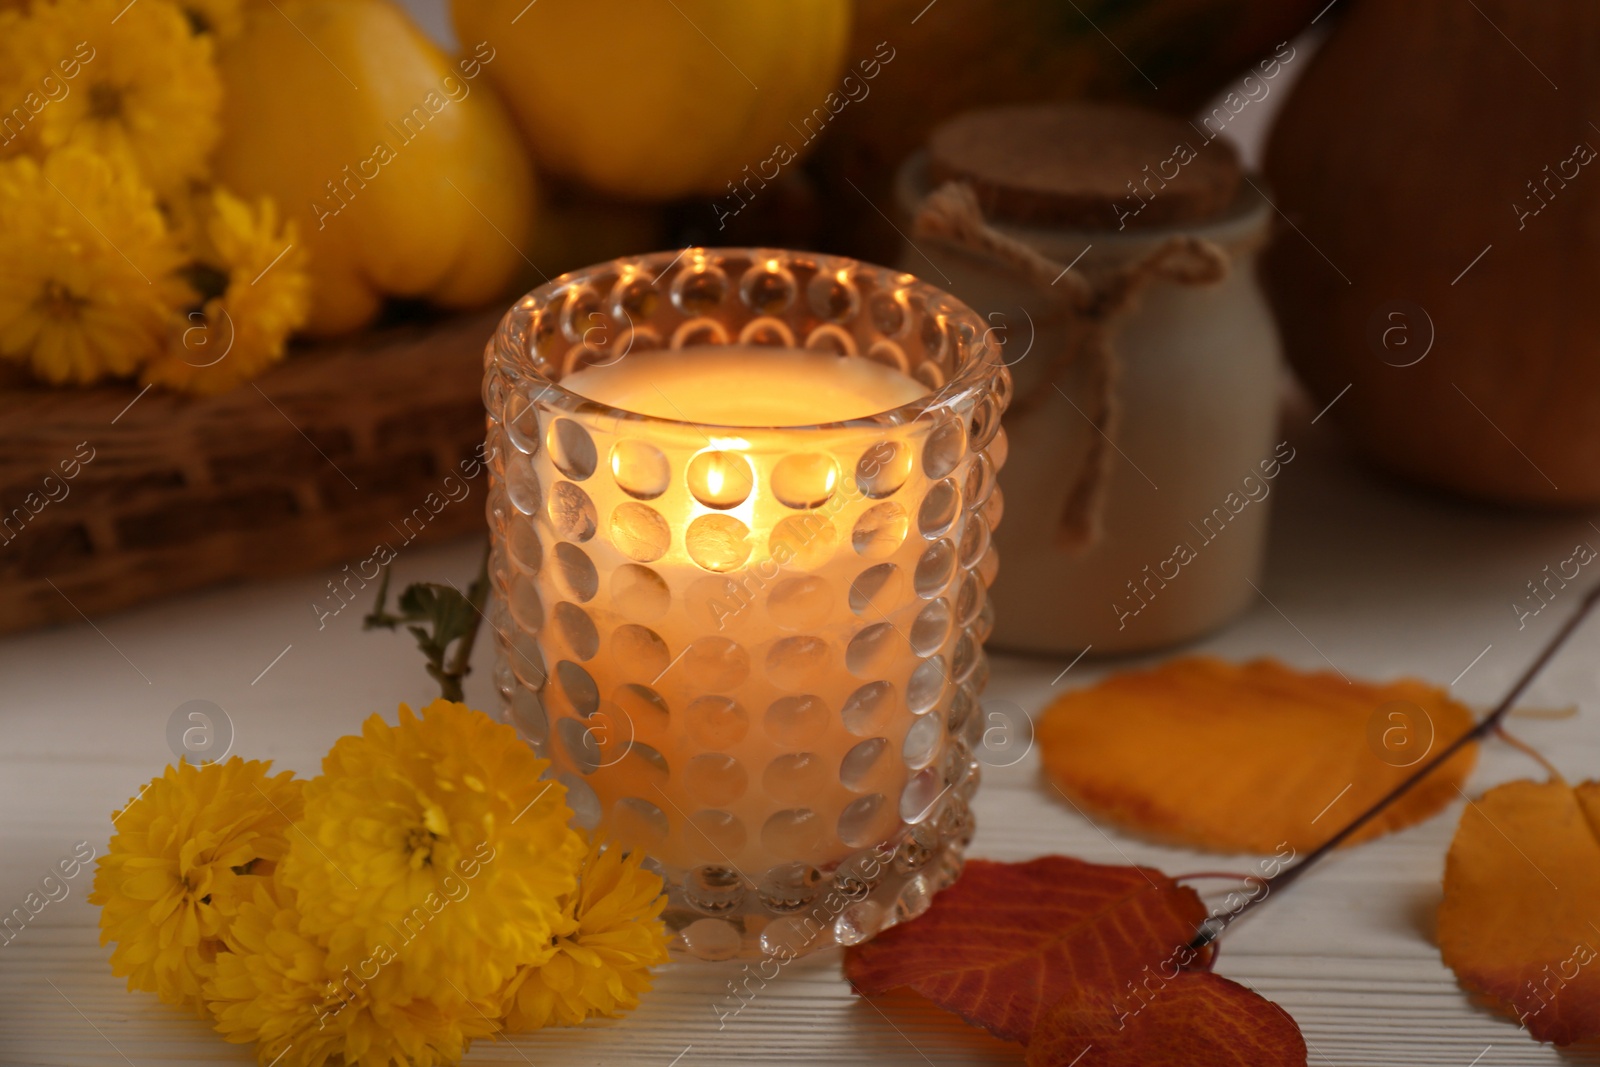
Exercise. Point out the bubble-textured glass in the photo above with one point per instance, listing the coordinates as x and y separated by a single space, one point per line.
754 652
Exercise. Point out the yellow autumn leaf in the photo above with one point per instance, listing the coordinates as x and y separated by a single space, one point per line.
1250 757
1520 919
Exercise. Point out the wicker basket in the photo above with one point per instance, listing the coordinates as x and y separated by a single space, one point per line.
110 497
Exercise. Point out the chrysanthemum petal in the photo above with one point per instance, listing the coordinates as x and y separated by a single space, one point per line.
266 295
400 856
148 97
158 884
602 963
87 266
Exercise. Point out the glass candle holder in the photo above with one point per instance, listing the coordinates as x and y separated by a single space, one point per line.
752 651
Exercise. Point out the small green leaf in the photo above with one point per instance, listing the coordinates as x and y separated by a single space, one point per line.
437 616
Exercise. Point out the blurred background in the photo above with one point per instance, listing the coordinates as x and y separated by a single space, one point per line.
237 229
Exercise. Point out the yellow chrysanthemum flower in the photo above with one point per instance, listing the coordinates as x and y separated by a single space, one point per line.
187 852
15 64
87 282
222 19
275 986
149 99
252 274
38 70
435 841
612 936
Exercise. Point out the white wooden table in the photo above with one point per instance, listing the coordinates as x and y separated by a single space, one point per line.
1375 578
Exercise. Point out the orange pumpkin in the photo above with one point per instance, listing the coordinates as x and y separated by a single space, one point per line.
1448 250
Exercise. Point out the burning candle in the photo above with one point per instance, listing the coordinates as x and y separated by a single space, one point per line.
741 506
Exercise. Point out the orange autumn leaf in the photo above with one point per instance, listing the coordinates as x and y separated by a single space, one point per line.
1520 919
1248 757
1010 940
1195 1018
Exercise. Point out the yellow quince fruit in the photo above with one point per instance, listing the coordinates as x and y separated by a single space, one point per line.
402 170
659 100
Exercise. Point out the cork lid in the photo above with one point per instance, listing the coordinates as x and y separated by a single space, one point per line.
1085 166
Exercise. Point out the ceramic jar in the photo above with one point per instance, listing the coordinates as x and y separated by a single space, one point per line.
1181 519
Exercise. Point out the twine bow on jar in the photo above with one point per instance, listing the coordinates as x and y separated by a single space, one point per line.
1091 303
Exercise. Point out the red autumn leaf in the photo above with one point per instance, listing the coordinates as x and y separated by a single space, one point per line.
1195 1018
1010 940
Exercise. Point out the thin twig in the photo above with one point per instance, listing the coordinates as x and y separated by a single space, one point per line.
379 615
1528 750
461 664
1212 928
1231 876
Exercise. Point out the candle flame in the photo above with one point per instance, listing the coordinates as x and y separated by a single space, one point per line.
720 477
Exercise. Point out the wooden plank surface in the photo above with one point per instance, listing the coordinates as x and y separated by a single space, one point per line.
1363 574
